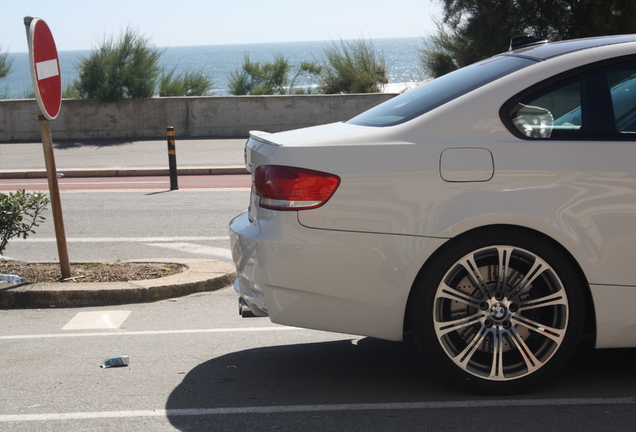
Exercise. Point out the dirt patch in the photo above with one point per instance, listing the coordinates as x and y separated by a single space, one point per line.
90 272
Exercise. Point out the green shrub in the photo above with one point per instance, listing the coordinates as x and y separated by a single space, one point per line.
69 91
5 64
5 69
353 67
127 67
19 213
255 78
186 83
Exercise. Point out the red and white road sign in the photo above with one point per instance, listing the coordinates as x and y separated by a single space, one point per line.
45 68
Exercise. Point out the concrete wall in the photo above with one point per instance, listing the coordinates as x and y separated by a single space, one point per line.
232 116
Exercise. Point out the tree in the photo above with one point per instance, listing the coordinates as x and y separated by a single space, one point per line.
353 67
443 52
19 213
472 30
186 83
127 67
601 17
255 78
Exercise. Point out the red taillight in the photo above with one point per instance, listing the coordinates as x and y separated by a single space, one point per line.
289 188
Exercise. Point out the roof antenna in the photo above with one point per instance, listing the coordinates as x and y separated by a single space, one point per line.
522 41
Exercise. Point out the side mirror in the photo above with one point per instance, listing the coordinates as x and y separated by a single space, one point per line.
532 121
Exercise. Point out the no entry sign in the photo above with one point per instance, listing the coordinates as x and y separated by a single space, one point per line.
45 68
47 82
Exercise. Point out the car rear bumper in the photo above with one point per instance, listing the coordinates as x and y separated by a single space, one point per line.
347 282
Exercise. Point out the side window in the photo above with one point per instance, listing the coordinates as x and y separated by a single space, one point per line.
623 85
598 104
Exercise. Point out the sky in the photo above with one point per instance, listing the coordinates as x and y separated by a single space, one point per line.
84 24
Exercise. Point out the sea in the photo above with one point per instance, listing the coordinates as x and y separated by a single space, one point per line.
219 61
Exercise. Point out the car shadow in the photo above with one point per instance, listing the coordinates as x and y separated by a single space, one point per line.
305 374
90 143
364 371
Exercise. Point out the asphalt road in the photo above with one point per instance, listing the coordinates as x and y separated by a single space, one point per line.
155 184
139 224
195 365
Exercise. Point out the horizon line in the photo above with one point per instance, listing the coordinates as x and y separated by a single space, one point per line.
235 44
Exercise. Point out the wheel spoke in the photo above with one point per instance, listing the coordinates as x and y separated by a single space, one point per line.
453 294
538 267
444 327
504 254
555 299
466 354
532 363
471 267
497 368
553 333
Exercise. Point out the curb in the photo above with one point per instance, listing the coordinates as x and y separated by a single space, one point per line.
198 277
123 172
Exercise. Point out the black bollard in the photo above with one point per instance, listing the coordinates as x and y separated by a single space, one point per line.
172 158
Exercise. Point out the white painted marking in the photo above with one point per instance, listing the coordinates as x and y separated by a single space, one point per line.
47 69
152 332
433 405
97 320
196 249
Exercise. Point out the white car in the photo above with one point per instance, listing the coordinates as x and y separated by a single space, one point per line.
492 212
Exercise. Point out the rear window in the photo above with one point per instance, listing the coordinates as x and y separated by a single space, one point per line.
439 91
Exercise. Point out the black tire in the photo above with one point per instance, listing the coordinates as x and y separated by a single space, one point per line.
493 331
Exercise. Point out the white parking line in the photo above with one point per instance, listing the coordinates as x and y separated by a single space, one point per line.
97 320
196 249
498 403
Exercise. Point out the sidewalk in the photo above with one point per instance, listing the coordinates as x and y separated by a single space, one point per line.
99 158
112 158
